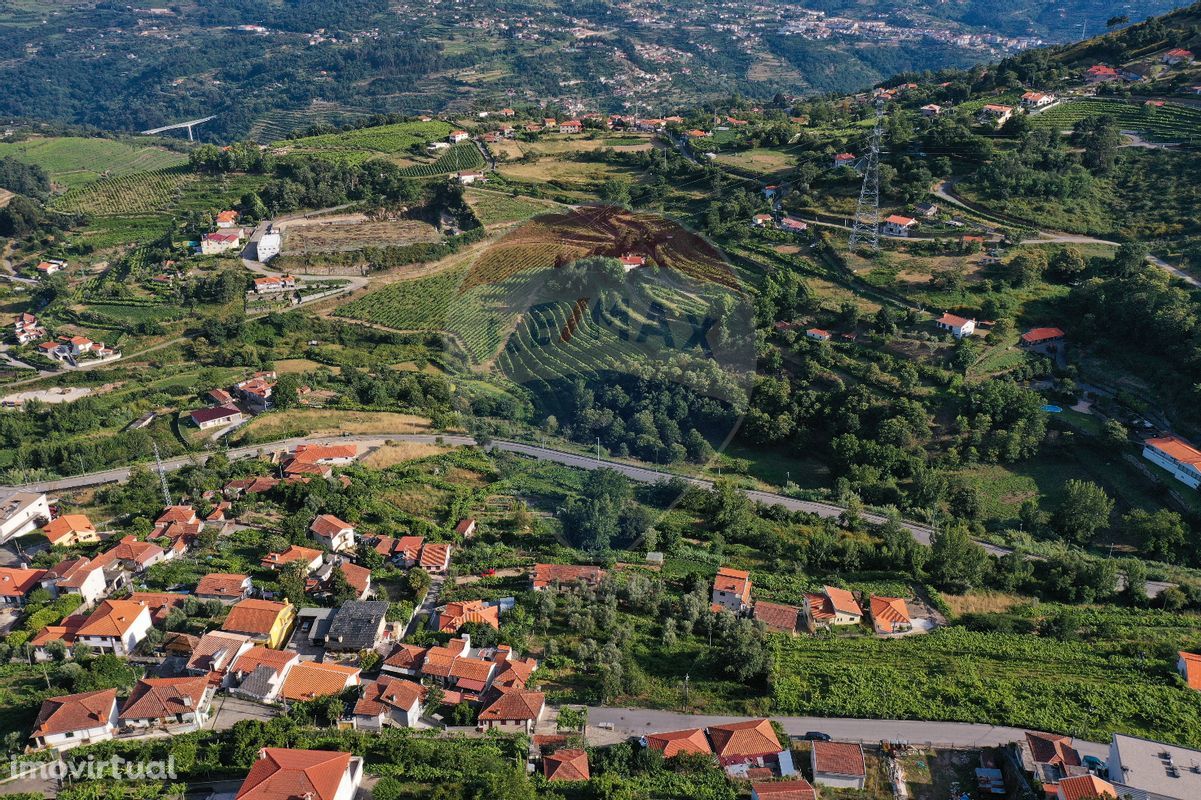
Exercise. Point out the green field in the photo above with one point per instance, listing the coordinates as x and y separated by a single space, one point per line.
461 157
384 139
1171 123
493 207
75 161
137 193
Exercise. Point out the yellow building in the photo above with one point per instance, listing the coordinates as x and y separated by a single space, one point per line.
70 530
262 620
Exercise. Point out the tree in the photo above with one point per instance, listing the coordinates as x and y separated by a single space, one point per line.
1085 510
1163 533
286 393
418 582
957 563
1067 264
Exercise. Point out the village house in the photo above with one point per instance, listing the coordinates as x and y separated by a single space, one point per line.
132 554
817 335
319 455
16 583
264 621
631 262
731 590
75 719
1032 101
513 710
1049 757
221 241
64 632
435 558
458 136
466 527
161 604
357 625
843 160
1178 55
761 220
931 110
838 765
750 744
1147 768
79 576
227 219
70 530
26 328
958 326
333 533
403 551
570 126
256 391
890 615
282 774
994 115
50 266
674 743
453 616
794 789
560 575
388 702
22 513
224 586
310 679
1043 339
1189 667
1177 456
566 765
116 626
1101 73
897 225
926 209
1088 787
260 672
311 557
468 178
268 246
274 283
777 617
215 417
793 225
833 606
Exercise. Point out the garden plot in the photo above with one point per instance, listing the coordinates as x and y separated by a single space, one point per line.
330 237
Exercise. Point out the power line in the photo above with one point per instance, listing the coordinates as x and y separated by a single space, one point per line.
866 229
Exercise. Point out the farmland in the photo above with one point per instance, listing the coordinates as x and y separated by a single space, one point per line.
397 139
494 208
136 193
74 161
1169 123
460 157
318 238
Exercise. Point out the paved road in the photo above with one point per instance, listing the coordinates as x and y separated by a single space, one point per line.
634 721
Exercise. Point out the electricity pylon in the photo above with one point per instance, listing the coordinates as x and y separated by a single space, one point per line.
866 230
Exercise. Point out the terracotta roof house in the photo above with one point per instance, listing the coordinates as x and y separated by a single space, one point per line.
293 552
453 616
116 626
1084 787
333 454
818 335
777 617
750 744
282 774
405 659
673 743
159 603
435 558
16 584
259 673
216 652
566 765
64 632
466 527
1177 456
228 587
404 550
838 765
262 620
513 710
1036 337
75 719
215 416
833 606
559 574
133 554
310 679
732 589
957 325
1050 757
332 532
80 576
890 615
389 701
1189 667
514 673
358 577
796 789
167 701
70 530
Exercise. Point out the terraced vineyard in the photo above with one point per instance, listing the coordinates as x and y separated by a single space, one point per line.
1168 123
279 124
139 193
383 139
74 161
492 208
459 158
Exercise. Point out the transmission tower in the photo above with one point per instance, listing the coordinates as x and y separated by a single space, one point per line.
162 477
866 230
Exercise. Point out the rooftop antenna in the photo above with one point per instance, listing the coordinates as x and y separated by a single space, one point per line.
866 229
162 477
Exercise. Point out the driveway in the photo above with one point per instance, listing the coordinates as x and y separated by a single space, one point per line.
228 710
428 604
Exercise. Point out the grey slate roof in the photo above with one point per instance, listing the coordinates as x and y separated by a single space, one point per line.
356 625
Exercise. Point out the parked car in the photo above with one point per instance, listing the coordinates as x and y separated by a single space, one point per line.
488 573
816 736
1095 766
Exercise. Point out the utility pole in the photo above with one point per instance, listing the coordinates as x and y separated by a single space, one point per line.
598 449
866 230
162 477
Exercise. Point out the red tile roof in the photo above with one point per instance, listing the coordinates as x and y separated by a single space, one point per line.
282 774
310 679
1037 335
216 650
952 320
68 524
435 556
315 453
897 219
796 789
889 612
75 712
1176 448
820 607
406 656
1085 787
1048 748
16 582
673 743
253 616
455 615
838 758
293 553
328 525
843 601
112 618
777 617
257 657
1192 670
734 581
566 765
358 577
222 584
385 693
176 514
162 698
514 705
750 738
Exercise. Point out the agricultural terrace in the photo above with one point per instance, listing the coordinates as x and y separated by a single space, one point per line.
136 193
313 236
384 140
1168 123
460 158
73 161
495 208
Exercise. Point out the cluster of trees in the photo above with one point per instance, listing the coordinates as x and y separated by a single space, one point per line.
237 157
320 183
21 178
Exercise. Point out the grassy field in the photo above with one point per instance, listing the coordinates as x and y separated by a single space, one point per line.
74 161
317 238
768 162
494 208
381 140
328 422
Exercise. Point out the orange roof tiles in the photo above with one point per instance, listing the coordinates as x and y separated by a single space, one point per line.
734 581
514 705
843 601
253 616
953 320
455 615
435 556
162 698
1037 335
314 453
838 758
1085 787
293 553
406 656
566 765
310 679
112 618
216 650
777 617
795 789
1048 748
75 712
754 737
1176 448
176 514
222 584
257 657
358 577
672 743
67 524
1192 670
328 525
15 582
386 692
282 774
889 612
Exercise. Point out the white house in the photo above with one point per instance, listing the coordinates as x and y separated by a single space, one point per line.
1178 55
75 719
389 702
931 110
468 178
221 241
22 513
116 626
993 114
76 576
896 225
274 283
458 136
167 702
1036 100
215 416
958 326
335 534
1176 456
268 246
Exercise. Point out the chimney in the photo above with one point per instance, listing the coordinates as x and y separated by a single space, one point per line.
186 700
